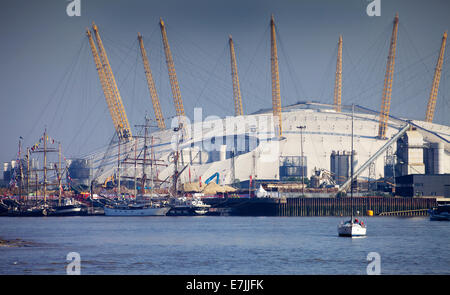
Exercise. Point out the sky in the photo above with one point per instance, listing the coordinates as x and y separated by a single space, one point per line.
48 78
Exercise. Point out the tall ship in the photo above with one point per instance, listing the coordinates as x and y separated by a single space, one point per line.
136 209
142 205
40 190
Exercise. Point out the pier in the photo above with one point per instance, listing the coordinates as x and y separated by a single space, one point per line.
381 206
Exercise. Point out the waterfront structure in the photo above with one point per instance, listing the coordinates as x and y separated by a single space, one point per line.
423 185
257 147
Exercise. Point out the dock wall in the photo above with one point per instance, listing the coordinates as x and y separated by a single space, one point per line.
383 206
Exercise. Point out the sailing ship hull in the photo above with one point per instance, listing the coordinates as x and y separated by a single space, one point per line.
66 211
29 213
351 230
152 211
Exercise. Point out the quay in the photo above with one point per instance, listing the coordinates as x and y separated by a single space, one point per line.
380 206
283 206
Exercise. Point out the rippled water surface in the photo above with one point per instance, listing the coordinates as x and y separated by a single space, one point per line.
222 245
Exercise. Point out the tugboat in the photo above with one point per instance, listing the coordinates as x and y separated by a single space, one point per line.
440 213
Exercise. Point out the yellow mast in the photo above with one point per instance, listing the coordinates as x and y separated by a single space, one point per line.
276 99
123 127
103 81
338 81
172 75
238 110
437 77
151 86
387 89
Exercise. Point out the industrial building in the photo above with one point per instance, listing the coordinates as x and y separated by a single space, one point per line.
11 169
80 171
423 185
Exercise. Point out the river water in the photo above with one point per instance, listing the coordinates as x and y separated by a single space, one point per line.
222 245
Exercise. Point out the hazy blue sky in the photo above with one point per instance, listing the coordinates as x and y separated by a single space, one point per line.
48 78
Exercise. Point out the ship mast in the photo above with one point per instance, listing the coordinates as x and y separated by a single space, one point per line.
351 166
118 168
135 166
59 174
45 150
175 172
152 158
28 172
20 169
143 160
144 164
45 166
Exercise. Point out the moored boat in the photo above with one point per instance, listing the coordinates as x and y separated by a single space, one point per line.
188 206
69 208
136 210
440 213
29 212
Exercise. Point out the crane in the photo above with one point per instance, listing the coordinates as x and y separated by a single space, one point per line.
435 86
387 89
121 121
179 108
276 99
215 175
151 86
338 81
238 111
